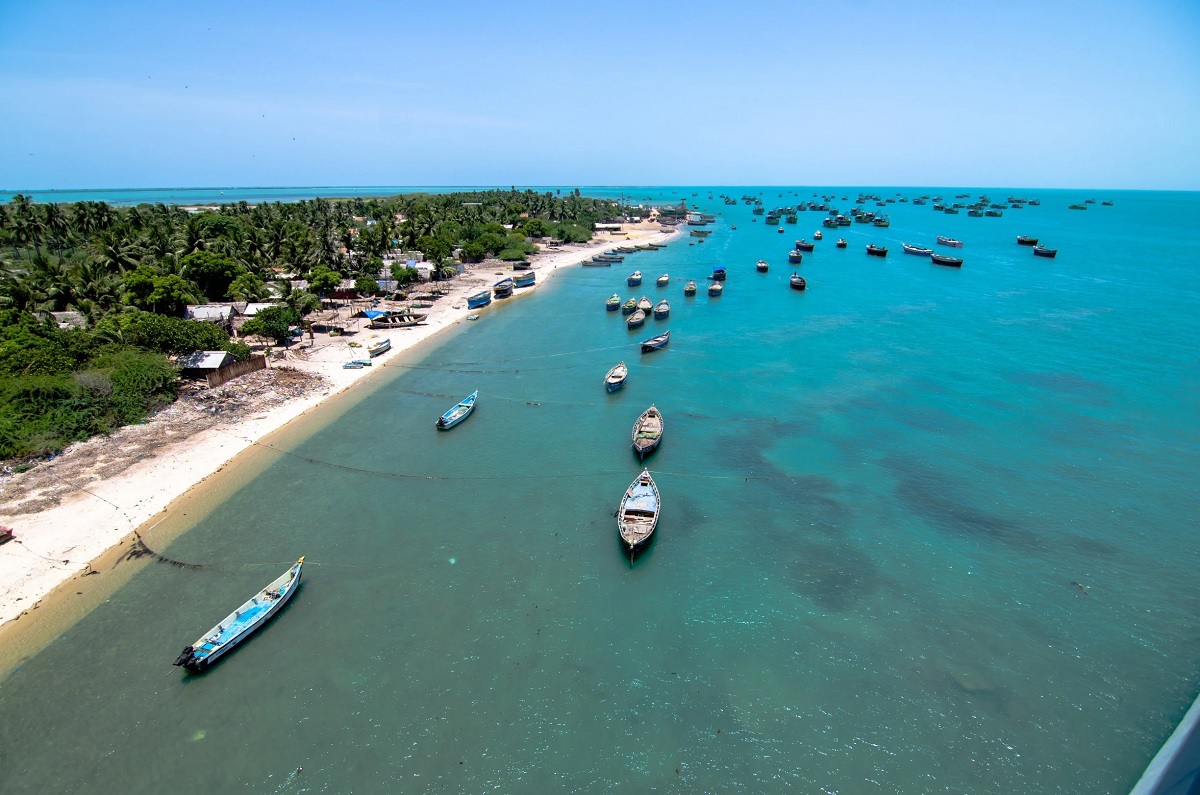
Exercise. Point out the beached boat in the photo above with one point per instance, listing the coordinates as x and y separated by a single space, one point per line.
655 343
949 241
6 535
525 280
1042 251
637 516
942 259
634 279
662 310
715 289
459 413
613 303
1025 240
876 251
636 319
689 288
664 280
916 251
841 242
616 377
522 265
647 432
503 288
239 624
393 320
797 282
596 263
718 274
479 299
379 346
629 307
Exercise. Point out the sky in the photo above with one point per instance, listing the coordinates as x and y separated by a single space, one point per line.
1046 94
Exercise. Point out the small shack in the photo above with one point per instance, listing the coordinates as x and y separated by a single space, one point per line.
201 364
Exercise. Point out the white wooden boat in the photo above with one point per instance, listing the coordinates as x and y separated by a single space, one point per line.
647 432
637 516
616 377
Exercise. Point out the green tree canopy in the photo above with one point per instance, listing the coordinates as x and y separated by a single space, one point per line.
211 272
274 322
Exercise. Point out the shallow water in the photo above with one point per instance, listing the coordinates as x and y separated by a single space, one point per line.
923 530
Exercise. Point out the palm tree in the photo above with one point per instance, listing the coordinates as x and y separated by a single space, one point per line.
114 251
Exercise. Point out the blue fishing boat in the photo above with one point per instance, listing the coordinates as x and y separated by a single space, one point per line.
616 377
525 279
718 274
634 279
238 625
479 299
459 413
613 303
378 347
637 516
916 251
655 343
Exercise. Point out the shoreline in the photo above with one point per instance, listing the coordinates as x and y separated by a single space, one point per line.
92 523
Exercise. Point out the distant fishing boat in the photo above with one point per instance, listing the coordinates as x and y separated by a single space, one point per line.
616 377
381 346
613 303
804 245
797 282
655 343
1077 207
817 235
949 241
239 624
1042 251
916 250
841 242
634 279
459 413
795 257
503 288
1025 240
645 304
942 259
637 516
629 307
479 299
715 289
689 288
596 263
647 432
664 280
876 251
525 280
718 274
636 319
662 310
762 266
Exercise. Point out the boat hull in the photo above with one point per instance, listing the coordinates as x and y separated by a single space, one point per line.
460 412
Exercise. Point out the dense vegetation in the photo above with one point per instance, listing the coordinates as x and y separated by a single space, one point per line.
130 272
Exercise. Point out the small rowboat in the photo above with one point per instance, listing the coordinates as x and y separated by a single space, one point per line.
459 413
817 235
1025 240
645 304
381 346
664 280
525 279
637 517
616 377
661 310
762 266
916 250
503 288
479 299
1042 251
718 274
804 245
689 288
613 303
655 343
942 259
636 319
797 282
715 289
647 432
949 241
876 251
239 624
629 307
634 279
841 243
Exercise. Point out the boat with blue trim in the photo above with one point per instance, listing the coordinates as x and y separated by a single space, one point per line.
482 298
503 288
637 516
460 412
616 377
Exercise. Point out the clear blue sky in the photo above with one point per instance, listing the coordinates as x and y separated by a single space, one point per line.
868 92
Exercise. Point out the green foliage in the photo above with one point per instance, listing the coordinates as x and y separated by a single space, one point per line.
213 273
247 287
365 285
404 274
274 322
162 334
534 227
323 280
239 350
171 295
31 348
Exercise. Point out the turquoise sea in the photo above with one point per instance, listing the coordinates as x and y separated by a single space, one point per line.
924 530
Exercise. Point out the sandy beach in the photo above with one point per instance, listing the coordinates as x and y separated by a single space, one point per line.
69 513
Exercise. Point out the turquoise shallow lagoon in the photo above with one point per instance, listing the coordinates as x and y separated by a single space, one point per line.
924 530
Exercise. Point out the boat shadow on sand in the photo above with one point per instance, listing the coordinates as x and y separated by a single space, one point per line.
259 633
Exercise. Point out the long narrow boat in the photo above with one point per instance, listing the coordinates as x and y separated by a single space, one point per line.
1042 251
647 432
391 320
616 377
525 279
1026 240
503 288
942 259
459 413
916 250
876 251
636 319
596 263
655 343
613 303
479 299
238 625
949 241
637 516
797 282
380 346
804 245
662 310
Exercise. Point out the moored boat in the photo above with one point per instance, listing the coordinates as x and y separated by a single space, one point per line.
239 624
804 245
503 288
482 298
797 282
647 432
841 242
762 266
1042 251
460 412
715 289
942 259
916 250
634 279
654 343
817 235
616 377
662 310
613 303
664 280
645 304
1025 240
637 516
718 274
876 251
596 263
629 307
689 288
949 241
636 319
795 256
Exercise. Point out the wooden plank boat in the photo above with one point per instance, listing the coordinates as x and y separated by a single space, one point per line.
637 516
459 413
1026 240
525 280
398 320
916 251
942 259
841 242
503 288
689 288
664 280
239 624
596 263
949 241
647 432
616 377
381 346
636 319
662 310
482 298
795 256
804 245
655 343
634 279
817 235
629 307
645 304
613 303
715 289
522 265
797 282
876 251
1042 251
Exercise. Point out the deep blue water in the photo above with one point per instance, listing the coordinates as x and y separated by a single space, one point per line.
924 530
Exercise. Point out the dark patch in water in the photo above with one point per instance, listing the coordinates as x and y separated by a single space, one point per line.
835 576
936 498
1068 385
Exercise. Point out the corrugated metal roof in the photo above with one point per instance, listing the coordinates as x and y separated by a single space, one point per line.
209 312
204 360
